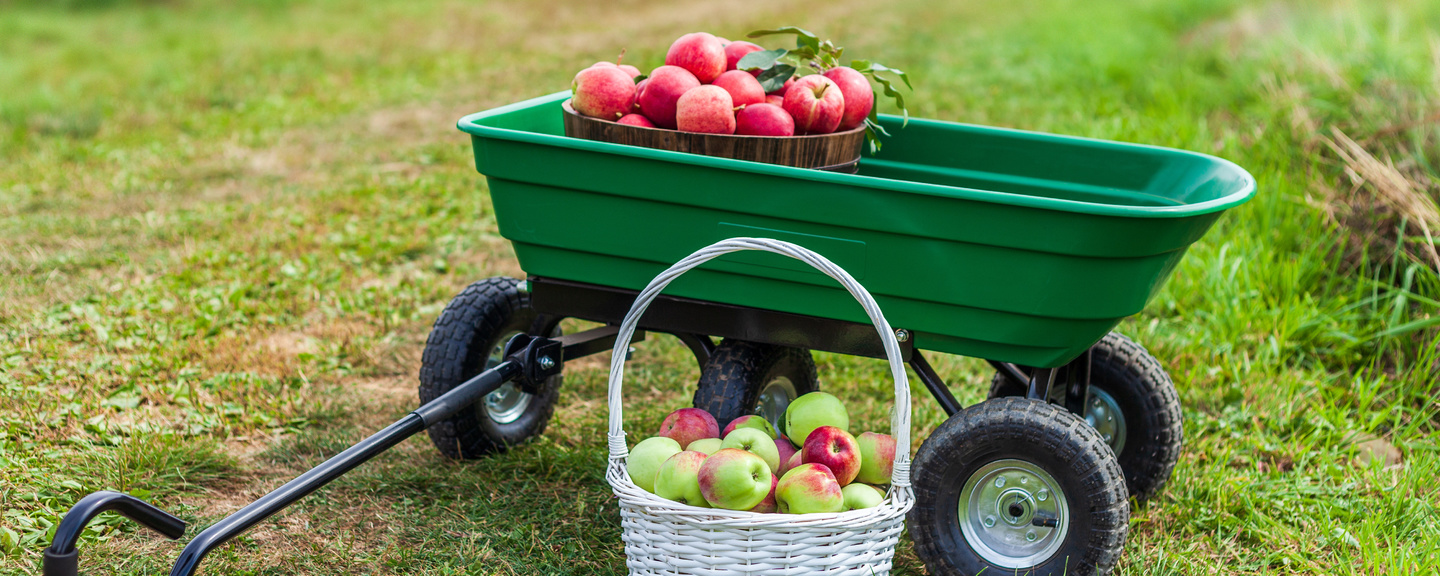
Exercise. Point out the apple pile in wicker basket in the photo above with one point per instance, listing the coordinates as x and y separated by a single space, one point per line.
750 466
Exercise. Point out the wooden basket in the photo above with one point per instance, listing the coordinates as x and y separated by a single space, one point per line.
837 152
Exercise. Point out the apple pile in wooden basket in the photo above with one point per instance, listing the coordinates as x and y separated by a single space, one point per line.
752 467
711 85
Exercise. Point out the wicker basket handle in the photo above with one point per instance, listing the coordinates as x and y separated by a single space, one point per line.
899 415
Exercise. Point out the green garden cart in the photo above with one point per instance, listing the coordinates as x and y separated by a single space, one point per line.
1019 248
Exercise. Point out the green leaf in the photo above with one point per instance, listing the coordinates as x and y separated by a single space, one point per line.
877 67
873 131
760 59
873 70
774 78
9 541
641 77
803 38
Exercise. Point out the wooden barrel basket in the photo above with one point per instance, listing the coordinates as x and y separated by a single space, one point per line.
837 152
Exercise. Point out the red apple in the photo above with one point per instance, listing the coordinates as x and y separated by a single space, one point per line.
631 70
795 461
687 425
640 87
859 98
877 458
783 89
700 53
723 40
661 91
836 449
767 505
764 120
706 109
635 120
816 104
772 99
602 92
782 445
809 488
602 63
734 51
744 89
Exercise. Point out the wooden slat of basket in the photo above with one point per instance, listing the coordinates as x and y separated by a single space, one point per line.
839 151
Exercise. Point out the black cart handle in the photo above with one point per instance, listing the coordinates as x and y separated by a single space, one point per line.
61 558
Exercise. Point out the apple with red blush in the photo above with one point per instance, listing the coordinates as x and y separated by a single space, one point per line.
836 449
734 51
635 120
764 120
877 458
705 109
662 91
602 92
785 450
744 89
859 98
700 53
749 421
810 488
768 505
816 104
687 425
734 479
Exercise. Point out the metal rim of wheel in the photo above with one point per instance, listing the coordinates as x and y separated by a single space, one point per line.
1103 414
774 398
1000 506
508 402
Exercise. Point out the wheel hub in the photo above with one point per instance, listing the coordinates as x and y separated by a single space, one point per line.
508 402
1013 513
1103 414
774 398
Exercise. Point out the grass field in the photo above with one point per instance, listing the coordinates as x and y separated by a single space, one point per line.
225 229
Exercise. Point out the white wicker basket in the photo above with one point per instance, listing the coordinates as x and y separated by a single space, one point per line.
669 538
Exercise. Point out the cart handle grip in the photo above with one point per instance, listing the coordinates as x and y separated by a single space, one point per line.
61 558
899 415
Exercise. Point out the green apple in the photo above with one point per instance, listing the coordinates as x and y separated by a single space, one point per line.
645 460
750 421
679 479
706 445
807 489
734 479
812 411
754 441
859 496
877 458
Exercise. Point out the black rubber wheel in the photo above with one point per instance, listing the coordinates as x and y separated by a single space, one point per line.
1017 486
1147 432
468 338
751 378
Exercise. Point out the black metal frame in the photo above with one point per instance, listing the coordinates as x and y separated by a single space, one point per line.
529 361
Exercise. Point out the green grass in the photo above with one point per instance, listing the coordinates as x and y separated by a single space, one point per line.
224 231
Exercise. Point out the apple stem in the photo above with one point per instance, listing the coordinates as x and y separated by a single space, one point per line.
820 91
